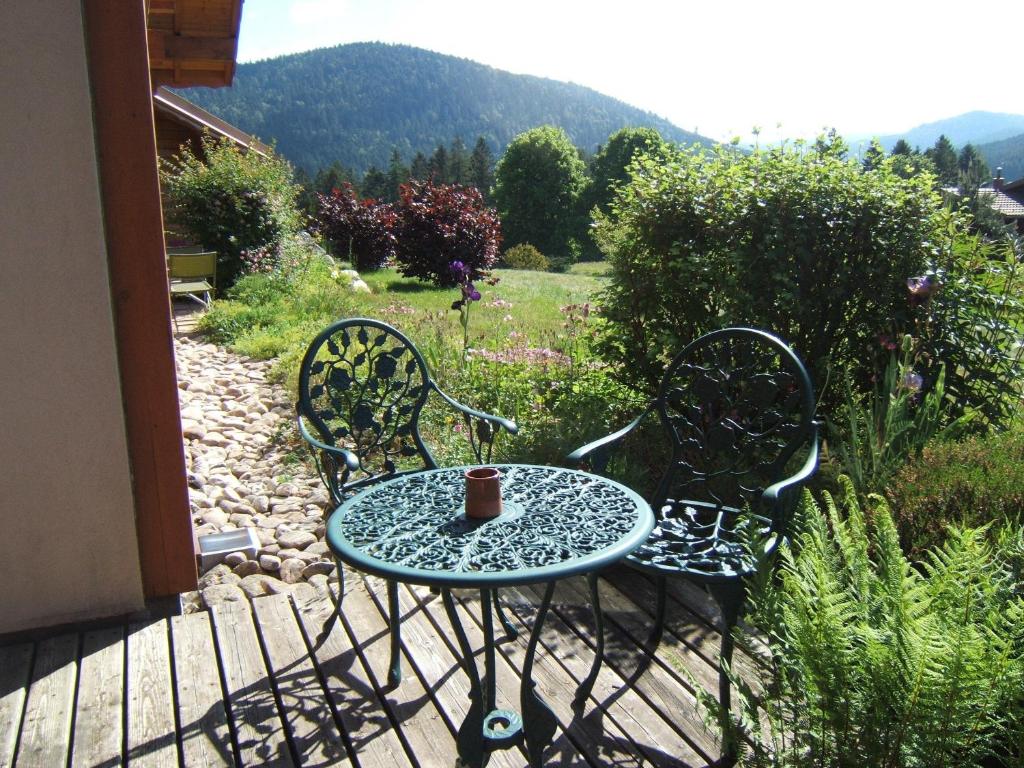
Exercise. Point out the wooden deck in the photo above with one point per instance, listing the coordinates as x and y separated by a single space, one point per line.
267 687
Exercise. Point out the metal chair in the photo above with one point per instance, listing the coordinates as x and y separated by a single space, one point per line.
193 273
736 406
362 388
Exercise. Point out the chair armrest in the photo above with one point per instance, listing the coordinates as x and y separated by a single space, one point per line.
346 457
577 457
773 494
508 425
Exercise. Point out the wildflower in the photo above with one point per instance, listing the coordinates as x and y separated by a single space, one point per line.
912 381
886 342
459 428
507 318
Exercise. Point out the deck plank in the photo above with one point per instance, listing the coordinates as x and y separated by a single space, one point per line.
314 733
152 731
15 671
203 721
252 706
434 696
46 728
568 636
98 712
350 691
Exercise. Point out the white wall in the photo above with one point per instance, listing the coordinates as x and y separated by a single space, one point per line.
68 548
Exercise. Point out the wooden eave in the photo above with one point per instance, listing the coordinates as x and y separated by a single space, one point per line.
184 111
192 42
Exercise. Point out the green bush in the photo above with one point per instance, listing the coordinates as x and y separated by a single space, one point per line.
232 201
525 256
800 242
877 661
973 482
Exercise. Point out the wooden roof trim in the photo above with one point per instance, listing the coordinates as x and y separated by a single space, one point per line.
184 110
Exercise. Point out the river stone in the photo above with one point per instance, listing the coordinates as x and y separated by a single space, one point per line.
295 539
270 562
219 574
255 585
248 568
218 594
322 568
234 559
291 570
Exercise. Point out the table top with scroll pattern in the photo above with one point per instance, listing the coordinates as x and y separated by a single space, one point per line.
555 523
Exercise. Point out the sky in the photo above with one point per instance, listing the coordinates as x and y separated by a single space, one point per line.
722 68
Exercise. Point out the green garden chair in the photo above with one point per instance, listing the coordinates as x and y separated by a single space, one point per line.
362 388
736 408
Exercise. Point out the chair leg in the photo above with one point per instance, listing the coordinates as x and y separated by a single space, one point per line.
659 612
730 597
394 618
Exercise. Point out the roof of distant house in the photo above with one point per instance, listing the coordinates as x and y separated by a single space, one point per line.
1002 202
196 116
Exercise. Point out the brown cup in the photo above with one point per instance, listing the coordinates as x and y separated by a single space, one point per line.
483 493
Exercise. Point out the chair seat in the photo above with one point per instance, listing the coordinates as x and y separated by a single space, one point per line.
190 286
700 541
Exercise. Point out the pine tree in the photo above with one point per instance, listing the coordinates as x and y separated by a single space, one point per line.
458 163
420 168
944 156
439 165
481 168
398 174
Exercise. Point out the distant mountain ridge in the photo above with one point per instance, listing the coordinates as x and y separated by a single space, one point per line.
355 103
975 128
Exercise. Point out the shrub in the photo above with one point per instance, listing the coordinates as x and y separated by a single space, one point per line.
805 244
232 201
970 320
973 482
525 256
437 225
876 662
360 230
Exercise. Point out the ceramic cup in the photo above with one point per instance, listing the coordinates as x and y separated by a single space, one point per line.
483 493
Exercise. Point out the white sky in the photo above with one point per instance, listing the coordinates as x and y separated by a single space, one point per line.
790 67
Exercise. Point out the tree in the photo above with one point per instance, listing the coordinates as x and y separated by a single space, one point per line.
458 163
398 174
360 230
902 147
420 168
537 186
874 155
610 165
974 171
943 155
233 201
439 225
439 165
481 168
375 184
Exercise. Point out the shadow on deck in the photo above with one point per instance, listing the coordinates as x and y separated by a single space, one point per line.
281 683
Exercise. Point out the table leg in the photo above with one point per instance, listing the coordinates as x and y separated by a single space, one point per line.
595 601
485 728
395 619
539 722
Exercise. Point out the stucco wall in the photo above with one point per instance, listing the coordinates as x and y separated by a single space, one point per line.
67 530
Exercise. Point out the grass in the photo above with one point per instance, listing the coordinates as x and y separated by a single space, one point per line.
266 318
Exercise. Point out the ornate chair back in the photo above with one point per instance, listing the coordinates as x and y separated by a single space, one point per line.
362 386
736 405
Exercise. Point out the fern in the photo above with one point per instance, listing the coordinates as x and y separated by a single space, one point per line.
877 661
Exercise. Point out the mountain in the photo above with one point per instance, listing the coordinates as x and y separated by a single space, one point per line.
969 128
355 103
1007 154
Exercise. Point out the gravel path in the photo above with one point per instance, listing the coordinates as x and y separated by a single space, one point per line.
241 474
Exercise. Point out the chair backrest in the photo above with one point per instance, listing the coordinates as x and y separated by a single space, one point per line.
736 405
191 265
362 385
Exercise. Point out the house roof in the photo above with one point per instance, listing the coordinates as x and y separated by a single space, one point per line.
192 42
1002 202
185 111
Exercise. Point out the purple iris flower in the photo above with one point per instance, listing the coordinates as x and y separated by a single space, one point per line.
913 381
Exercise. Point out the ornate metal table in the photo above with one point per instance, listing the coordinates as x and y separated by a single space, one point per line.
555 523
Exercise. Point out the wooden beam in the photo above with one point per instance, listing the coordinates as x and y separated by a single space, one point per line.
133 221
168 46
